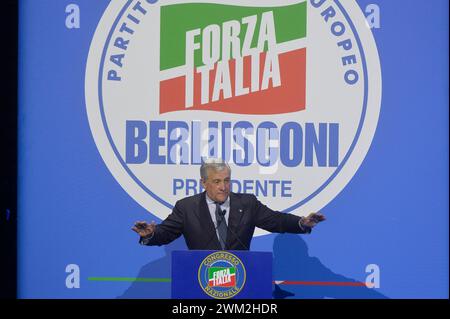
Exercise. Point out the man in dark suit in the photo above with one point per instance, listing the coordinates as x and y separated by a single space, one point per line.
217 219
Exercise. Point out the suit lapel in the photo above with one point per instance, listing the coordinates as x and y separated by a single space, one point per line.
234 220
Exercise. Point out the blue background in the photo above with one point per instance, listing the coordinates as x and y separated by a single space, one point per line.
393 213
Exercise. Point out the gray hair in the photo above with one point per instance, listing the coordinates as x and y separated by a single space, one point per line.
216 164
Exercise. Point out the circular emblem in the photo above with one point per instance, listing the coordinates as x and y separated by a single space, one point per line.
287 92
221 275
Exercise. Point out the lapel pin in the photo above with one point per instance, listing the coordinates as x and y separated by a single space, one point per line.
240 210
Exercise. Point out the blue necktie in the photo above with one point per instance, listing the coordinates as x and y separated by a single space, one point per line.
221 225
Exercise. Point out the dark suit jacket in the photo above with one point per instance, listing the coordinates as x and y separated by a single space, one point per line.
191 217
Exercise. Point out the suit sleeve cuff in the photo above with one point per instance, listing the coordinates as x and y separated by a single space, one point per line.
146 240
304 229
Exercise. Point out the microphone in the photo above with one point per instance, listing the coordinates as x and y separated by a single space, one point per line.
215 229
222 214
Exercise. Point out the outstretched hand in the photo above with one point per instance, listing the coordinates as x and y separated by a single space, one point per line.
312 219
144 229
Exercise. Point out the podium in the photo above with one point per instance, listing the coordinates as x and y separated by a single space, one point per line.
212 274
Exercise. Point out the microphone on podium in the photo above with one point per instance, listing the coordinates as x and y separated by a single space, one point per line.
219 222
222 214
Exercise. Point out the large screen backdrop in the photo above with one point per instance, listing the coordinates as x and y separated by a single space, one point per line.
332 106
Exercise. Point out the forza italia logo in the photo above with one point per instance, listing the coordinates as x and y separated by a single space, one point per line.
236 60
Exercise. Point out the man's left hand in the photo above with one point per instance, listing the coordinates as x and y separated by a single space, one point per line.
312 219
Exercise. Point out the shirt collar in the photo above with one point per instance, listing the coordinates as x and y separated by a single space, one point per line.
209 201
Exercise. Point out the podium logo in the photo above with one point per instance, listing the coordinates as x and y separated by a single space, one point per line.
221 275
288 93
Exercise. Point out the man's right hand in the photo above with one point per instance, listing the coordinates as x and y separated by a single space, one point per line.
143 229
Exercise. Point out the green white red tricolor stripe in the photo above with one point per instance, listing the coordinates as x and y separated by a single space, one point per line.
244 60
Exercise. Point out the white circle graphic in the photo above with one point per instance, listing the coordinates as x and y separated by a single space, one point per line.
331 133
